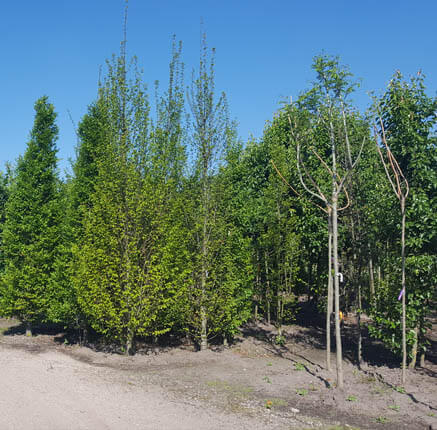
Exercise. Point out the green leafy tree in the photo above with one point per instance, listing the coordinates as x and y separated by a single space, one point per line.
31 233
408 122
118 286
218 254
330 144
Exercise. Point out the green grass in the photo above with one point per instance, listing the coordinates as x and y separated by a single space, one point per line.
400 390
299 366
394 408
302 391
271 403
382 420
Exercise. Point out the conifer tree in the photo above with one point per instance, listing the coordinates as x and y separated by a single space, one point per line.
31 232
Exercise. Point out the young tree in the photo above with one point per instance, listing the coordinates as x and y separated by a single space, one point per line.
31 234
406 125
334 149
118 288
214 266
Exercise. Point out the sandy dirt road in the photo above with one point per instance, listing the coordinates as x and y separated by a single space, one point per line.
52 391
47 383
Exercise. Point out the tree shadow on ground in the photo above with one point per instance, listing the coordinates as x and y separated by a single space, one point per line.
311 332
37 329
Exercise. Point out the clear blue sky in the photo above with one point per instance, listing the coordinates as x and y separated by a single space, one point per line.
264 52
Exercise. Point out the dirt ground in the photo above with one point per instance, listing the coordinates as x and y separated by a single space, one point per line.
48 384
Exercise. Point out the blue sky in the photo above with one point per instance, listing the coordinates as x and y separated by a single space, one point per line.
264 52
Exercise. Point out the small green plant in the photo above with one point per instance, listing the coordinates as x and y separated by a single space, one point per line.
302 391
394 408
280 340
267 379
299 366
382 420
400 390
431 414
351 398
269 363
268 404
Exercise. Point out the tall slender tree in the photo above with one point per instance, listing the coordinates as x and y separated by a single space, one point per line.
31 234
212 132
338 155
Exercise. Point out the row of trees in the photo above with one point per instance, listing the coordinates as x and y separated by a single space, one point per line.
169 224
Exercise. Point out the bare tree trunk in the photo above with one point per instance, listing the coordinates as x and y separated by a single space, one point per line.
371 277
257 285
339 353
268 288
203 330
360 338
422 359
329 296
203 316
404 326
279 316
28 329
129 342
413 361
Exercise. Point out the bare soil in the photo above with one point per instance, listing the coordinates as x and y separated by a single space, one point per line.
48 383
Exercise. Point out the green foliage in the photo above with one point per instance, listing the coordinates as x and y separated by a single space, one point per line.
302 392
117 276
31 232
396 408
219 296
409 120
299 366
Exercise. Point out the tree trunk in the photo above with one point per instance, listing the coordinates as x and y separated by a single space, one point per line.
268 311
203 316
203 329
279 316
360 338
371 278
422 359
404 325
268 288
339 354
329 296
28 329
129 343
413 361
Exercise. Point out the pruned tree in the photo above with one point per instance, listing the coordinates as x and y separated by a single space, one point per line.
326 109
210 133
31 233
401 189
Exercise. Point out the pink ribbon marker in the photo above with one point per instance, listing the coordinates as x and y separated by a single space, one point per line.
401 294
